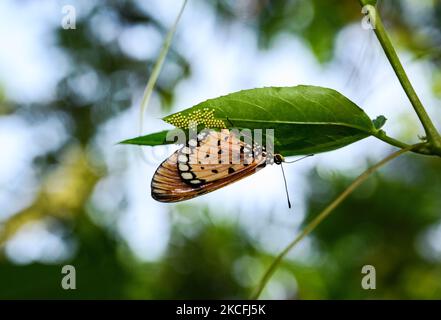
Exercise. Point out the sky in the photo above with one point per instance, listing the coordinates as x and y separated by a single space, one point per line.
223 60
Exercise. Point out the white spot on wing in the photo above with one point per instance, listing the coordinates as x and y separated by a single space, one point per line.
182 158
186 175
192 143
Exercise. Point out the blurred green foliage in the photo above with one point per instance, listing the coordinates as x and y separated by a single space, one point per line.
384 223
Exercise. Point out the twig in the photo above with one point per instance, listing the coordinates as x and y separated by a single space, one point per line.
322 215
157 68
433 137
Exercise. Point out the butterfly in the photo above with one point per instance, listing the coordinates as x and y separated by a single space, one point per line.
211 161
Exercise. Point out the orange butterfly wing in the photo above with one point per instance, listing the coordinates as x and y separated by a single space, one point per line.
185 175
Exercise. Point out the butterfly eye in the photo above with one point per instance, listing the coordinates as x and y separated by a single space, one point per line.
278 159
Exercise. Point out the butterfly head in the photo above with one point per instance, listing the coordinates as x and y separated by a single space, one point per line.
278 158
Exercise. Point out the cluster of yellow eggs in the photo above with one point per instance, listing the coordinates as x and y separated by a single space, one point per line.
203 117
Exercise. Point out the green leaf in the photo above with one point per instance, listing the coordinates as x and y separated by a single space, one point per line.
153 139
305 119
379 122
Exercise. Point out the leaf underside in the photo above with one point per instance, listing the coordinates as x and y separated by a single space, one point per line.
305 119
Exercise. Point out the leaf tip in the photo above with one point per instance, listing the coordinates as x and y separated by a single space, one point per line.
127 141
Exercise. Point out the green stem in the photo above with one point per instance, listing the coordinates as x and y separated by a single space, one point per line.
423 149
433 136
322 215
382 136
157 68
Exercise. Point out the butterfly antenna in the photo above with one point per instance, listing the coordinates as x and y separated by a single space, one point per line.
286 186
309 155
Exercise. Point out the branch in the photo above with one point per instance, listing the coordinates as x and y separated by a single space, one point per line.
322 215
432 134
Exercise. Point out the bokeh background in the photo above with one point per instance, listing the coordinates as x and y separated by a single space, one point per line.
70 195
